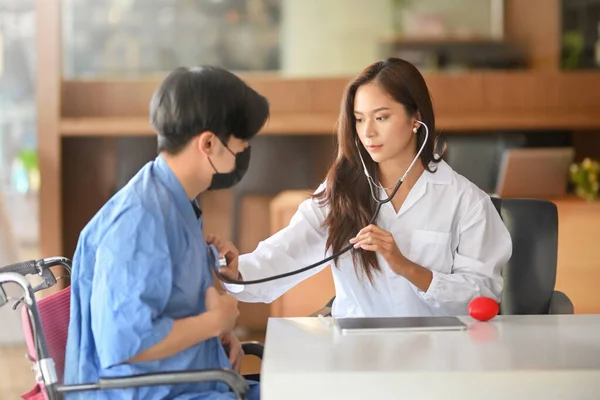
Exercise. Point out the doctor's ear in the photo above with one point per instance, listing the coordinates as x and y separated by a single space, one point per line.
416 125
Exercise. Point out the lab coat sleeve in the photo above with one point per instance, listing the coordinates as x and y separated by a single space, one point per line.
131 286
484 247
298 245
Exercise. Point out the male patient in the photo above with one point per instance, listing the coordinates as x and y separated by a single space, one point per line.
143 299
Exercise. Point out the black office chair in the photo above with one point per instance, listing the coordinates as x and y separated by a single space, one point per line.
530 274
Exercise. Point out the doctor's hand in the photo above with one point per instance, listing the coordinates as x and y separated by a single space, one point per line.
373 238
223 307
231 254
233 348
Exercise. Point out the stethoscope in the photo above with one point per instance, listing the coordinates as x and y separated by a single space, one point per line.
220 262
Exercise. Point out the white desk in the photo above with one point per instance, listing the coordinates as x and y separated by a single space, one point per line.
510 357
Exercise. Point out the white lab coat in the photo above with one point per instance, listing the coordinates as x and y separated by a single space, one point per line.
446 224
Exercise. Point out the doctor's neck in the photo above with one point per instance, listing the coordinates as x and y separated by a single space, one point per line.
185 166
390 171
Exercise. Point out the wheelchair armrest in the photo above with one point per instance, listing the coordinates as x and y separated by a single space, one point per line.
3 296
325 311
253 349
560 304
235 381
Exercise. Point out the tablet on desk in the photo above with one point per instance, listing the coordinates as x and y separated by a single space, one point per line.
381 324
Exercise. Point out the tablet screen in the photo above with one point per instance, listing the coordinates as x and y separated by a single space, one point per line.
399 323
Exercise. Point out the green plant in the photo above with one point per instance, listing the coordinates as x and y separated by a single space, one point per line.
398 7
585 178
573 45
29 161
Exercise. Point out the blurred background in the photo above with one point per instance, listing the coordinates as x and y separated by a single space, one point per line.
76 78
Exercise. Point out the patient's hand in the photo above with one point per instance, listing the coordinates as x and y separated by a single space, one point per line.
224 307
233 347
231 254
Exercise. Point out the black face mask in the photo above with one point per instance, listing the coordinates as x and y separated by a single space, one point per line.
227 180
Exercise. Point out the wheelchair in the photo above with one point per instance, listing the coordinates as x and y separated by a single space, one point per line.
45 326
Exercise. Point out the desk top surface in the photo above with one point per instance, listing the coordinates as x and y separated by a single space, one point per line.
507 343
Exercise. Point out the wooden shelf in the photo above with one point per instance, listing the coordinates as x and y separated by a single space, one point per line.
482 101
445 39
294 124
324 124
519 121
105 126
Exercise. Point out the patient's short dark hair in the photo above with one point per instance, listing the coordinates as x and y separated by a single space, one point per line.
194 100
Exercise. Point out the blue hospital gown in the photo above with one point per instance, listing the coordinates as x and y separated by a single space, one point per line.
140 264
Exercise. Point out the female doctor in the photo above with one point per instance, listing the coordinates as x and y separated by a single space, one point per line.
434 247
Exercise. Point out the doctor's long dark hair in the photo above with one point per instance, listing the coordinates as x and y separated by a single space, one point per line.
347 192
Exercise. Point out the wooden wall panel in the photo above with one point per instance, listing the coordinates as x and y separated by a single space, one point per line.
107 98
535 25
89 178
456 94
514 92
285 95
254 227
132 98
312 294
106 126
580 92
216 215
48 67
578 268
326 95
321 96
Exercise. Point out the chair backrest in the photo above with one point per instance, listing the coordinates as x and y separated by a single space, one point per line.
497 202
530 274
54 312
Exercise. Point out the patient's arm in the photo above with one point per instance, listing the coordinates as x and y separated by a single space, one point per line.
219 318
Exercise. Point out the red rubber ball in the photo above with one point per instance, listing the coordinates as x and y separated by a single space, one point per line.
483 308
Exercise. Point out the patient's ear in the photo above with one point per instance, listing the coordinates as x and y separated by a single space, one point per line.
206 142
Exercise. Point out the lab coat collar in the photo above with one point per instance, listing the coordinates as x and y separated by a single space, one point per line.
442 174
166 176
